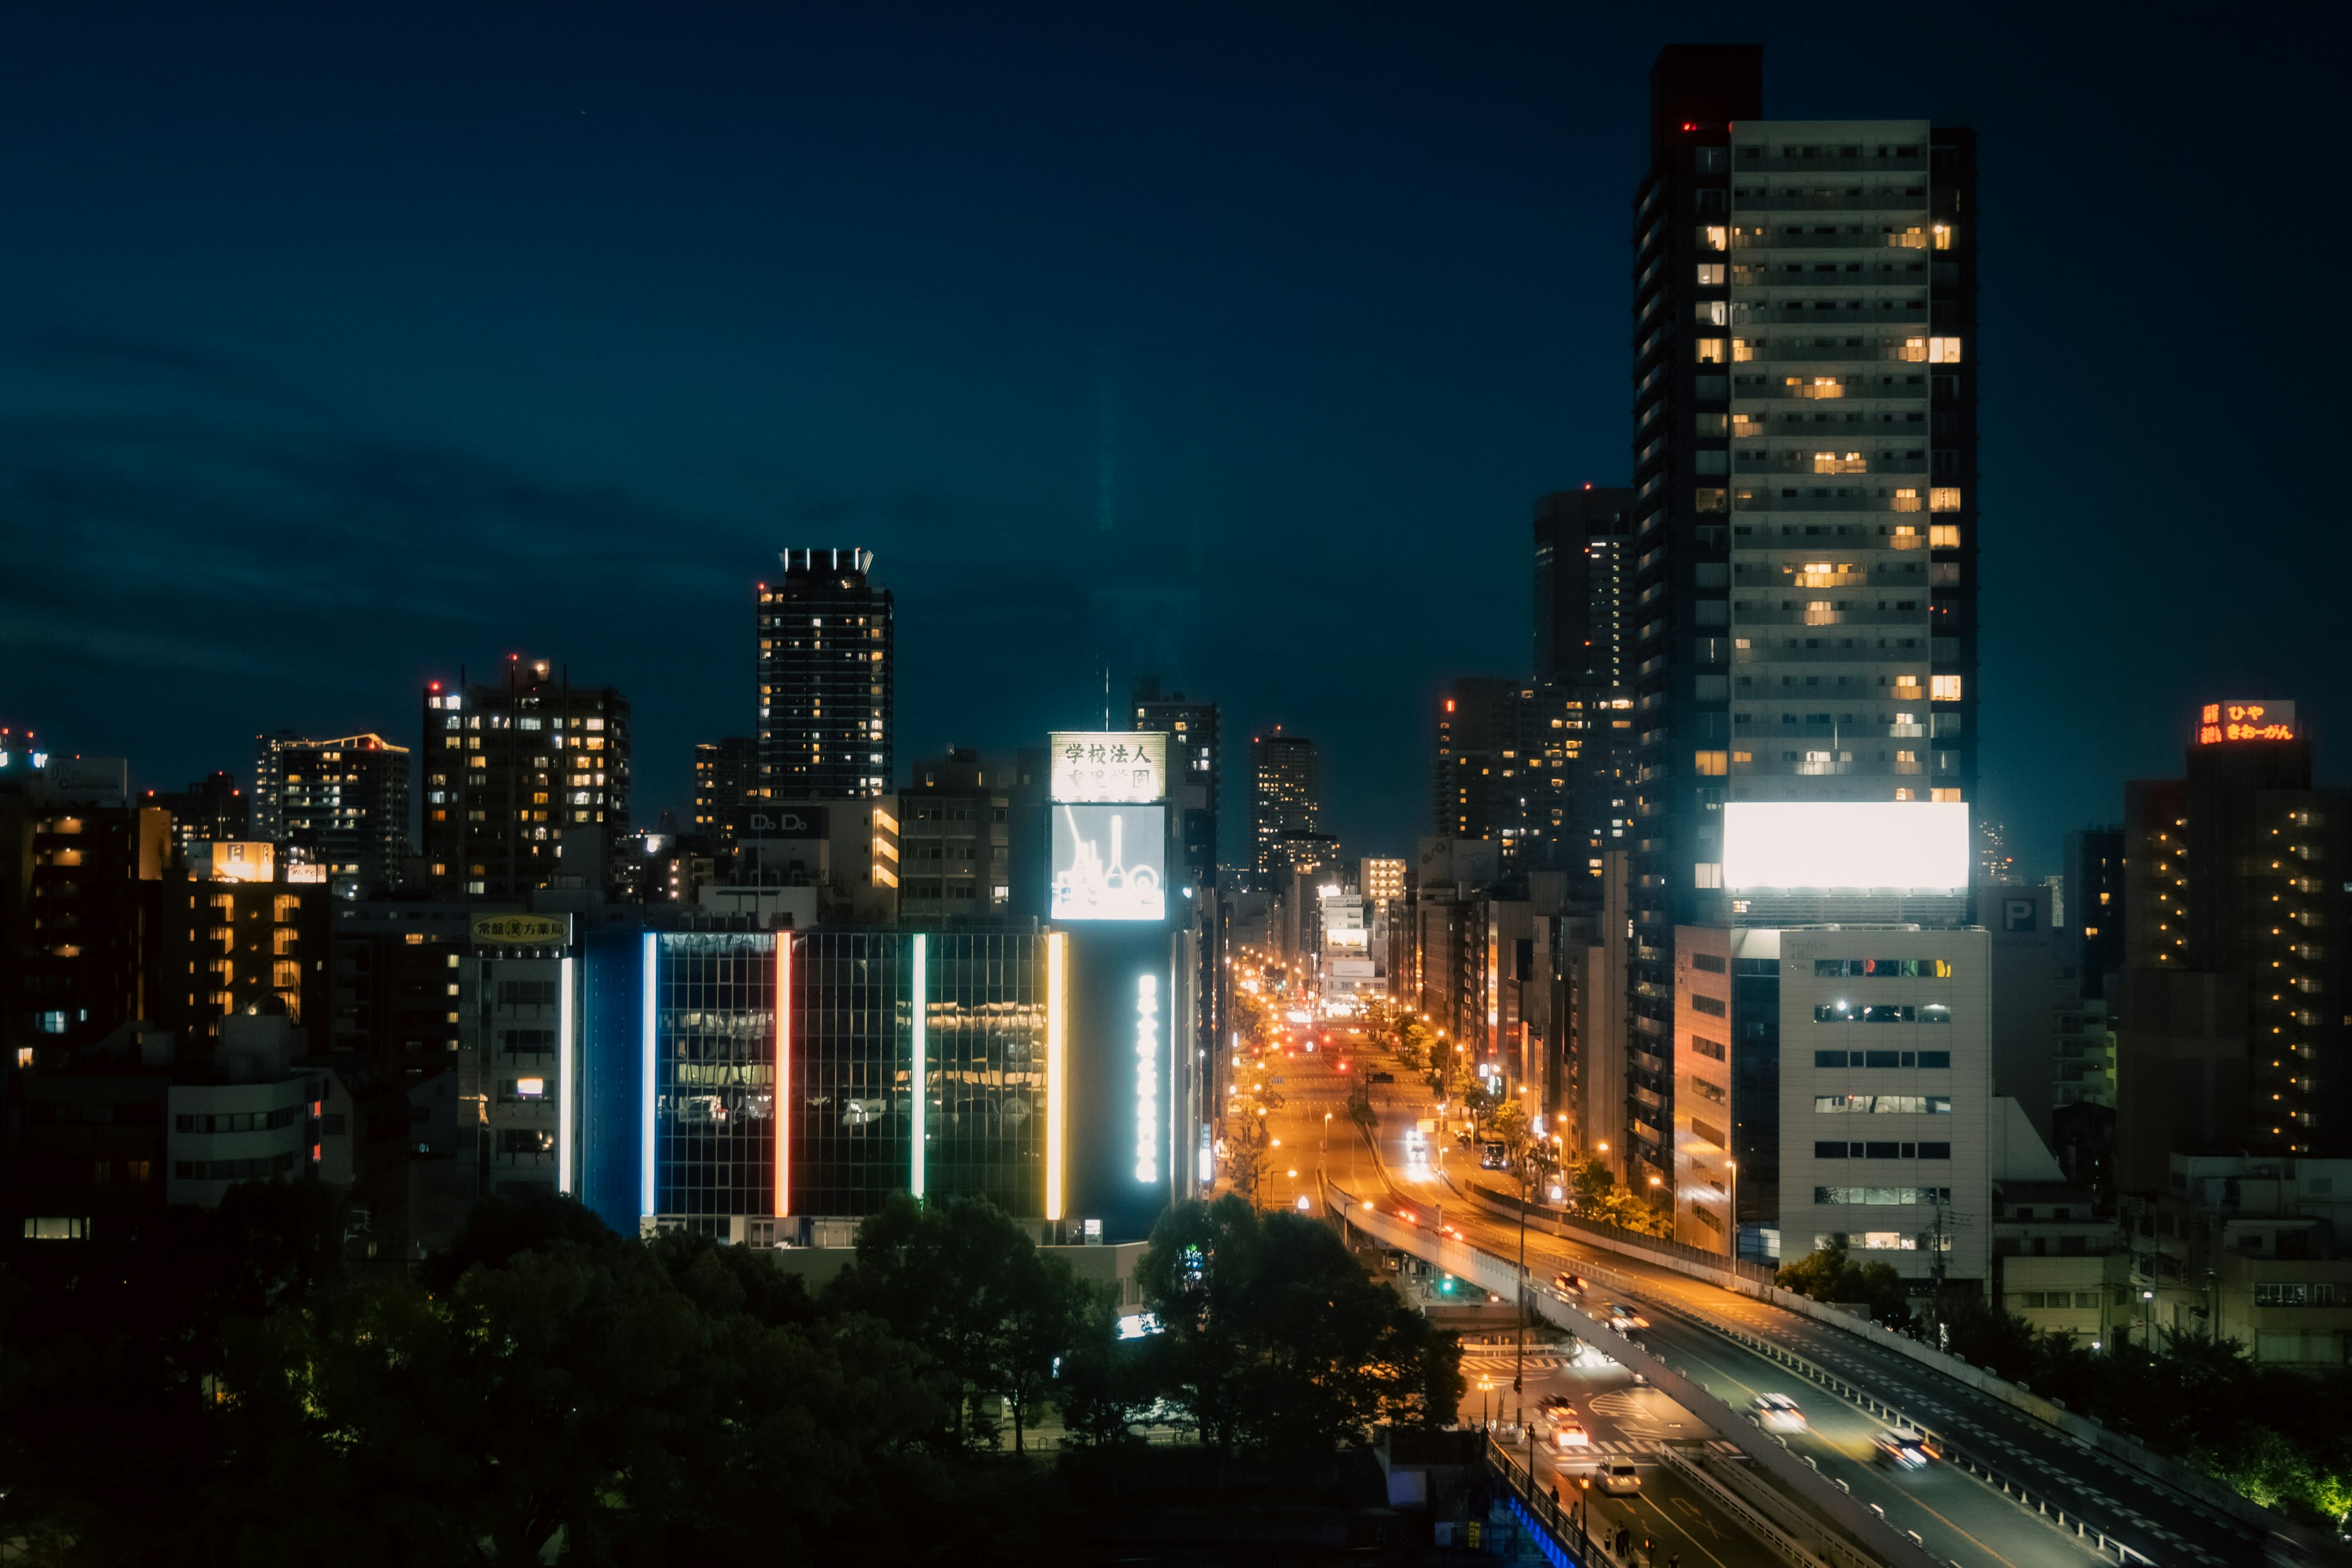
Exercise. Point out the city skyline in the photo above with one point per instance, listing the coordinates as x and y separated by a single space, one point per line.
359 445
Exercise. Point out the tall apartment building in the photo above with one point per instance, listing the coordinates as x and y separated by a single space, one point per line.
1475 744
80 876
825 674
1196 761
726 780
1286 800
1380 879
2234 1024
1802 598
1582 568
342 801
525 781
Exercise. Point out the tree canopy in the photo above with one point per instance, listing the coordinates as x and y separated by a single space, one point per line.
1273 1336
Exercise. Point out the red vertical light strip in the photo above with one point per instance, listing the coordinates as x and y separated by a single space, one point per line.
782 1102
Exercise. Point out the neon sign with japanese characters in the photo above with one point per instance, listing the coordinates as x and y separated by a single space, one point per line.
2218 723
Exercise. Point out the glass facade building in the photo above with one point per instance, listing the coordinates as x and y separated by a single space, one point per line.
728 1079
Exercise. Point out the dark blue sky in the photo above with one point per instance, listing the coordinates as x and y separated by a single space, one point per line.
340 346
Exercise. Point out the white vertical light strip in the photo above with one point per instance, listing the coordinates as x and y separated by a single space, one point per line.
921 1046
1056 1049
567 1058
646 1090
1177 1098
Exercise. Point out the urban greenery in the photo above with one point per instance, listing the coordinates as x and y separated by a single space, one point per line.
2280 1439
1274 1336
226 1389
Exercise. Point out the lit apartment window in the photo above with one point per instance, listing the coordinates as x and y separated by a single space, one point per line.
1944 498
1944 536
1944 687
1710 351
1943 350
1714 236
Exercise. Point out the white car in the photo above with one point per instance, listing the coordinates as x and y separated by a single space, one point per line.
1778 1413
1620 1479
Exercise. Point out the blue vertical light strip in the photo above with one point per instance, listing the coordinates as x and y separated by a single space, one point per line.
646 1090
567 1068
921 1046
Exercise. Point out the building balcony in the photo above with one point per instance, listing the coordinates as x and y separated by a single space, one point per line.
1905 200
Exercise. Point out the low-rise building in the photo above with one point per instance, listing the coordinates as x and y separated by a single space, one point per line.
2248 1248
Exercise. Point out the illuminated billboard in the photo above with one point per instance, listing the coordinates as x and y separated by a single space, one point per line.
1109 766
238 861
2218 723
1110 863
1826 844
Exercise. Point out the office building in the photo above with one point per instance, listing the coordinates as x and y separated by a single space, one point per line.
1804 593
955 839
526 782
1196 767
825 673
211 810
2233 1021
726 781
1887 1116
1285 802
341 802
995 1063
1475 744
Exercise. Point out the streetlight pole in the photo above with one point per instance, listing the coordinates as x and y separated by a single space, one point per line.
1731 1239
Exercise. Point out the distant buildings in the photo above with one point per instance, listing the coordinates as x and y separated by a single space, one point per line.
341 803
525 781
1287 808
726 780
825 674
211 810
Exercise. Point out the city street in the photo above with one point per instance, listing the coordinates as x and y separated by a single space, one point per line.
1959 1518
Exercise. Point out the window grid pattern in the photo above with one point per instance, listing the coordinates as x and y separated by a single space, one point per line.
714 1076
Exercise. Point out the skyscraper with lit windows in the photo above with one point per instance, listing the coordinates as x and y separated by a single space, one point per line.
825 679
1802 598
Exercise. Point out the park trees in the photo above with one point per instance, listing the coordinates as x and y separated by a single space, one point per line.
1273 1337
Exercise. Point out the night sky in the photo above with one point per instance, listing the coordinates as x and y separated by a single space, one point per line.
339 347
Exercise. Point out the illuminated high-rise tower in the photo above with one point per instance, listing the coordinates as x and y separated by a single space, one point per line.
1802 599
825 679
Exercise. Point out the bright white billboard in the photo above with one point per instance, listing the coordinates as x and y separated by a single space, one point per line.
1109 764
1827 844
1110 863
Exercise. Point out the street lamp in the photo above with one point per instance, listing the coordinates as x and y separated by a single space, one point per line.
1327 1132
1731 1240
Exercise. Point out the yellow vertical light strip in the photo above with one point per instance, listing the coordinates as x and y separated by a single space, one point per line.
782 1103
1057 1069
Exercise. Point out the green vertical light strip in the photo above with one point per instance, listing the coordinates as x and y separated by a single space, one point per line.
921 1048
